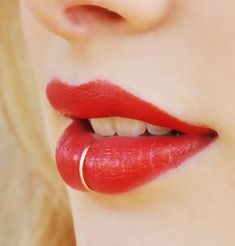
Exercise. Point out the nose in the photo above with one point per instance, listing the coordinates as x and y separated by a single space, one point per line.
72 19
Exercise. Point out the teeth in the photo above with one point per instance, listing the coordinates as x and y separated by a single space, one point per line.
125 127
103 126
128 127
157 130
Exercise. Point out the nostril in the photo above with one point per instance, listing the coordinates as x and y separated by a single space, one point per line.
92 15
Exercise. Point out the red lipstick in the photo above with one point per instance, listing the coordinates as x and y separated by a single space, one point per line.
118 164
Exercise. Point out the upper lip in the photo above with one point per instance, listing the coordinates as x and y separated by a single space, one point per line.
100 98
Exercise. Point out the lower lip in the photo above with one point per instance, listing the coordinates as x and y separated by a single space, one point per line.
119 164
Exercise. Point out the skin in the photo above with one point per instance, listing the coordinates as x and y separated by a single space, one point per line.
181 57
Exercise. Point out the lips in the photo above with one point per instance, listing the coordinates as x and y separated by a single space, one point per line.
118 164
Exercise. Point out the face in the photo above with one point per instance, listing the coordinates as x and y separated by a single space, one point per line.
178 56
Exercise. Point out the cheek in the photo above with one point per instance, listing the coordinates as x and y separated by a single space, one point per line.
42 44
38 41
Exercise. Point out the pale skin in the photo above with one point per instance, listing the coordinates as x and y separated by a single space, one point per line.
181 57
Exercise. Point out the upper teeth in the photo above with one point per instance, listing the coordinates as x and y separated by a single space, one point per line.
125 127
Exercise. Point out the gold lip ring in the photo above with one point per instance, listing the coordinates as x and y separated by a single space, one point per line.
81 164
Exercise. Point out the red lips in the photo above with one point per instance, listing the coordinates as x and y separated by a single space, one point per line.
118 164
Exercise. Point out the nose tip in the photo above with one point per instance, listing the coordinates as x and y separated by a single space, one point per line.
75 19
145 15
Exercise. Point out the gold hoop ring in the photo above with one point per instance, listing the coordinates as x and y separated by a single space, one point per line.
81 164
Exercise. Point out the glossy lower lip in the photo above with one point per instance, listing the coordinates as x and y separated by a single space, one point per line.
118 164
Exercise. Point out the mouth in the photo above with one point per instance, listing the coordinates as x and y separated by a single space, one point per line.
128 141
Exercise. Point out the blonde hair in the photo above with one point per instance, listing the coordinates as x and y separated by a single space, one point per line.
34 208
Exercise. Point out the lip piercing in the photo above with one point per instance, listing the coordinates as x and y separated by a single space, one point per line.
81 164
